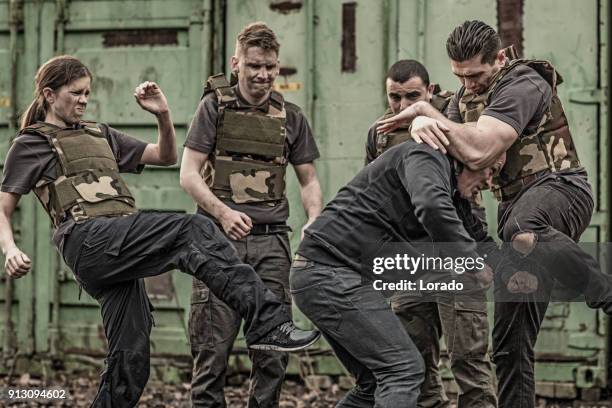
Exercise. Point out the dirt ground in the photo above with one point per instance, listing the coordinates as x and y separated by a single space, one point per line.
324 392
80 392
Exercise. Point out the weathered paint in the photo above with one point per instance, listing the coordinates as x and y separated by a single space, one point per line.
577 333
114 40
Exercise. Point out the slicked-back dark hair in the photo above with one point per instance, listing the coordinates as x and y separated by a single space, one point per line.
473 38
405 69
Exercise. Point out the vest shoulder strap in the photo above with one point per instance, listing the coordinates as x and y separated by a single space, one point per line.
221 87
40 128
92 127
546 71
45 129
544 68
441 98
511 53
277 100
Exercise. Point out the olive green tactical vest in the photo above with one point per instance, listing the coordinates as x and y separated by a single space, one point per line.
250 162
88 183
549 148
384 142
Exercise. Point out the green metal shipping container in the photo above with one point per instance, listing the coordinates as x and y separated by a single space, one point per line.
334 56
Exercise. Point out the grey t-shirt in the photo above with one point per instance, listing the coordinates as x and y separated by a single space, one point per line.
30 160
520 99
301 149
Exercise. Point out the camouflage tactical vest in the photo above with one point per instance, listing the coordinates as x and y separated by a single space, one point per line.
88 183
250 162
549 148
384 142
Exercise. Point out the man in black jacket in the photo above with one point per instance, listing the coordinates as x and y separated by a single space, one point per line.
410 194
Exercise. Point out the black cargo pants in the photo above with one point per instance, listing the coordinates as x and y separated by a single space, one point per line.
213 327
111 255
542 227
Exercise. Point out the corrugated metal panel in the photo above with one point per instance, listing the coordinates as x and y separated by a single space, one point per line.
575 331
15 56
123 43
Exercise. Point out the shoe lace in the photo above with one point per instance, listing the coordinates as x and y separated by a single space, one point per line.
286 327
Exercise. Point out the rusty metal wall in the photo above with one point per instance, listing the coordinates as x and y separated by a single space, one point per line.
123 43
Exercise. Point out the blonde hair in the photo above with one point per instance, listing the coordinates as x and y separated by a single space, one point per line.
257 34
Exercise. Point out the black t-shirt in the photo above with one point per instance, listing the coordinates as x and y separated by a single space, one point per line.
405 195
30 162
301 149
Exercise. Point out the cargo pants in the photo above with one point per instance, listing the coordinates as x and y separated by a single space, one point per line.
555 212
213 327
110 256
465 328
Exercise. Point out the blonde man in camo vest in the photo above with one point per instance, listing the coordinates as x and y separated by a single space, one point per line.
238 147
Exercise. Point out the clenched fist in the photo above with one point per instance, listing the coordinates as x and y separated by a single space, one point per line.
151 98
17 264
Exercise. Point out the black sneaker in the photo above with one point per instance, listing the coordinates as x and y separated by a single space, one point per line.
286 337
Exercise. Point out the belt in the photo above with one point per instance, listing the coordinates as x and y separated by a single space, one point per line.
265 229
510 191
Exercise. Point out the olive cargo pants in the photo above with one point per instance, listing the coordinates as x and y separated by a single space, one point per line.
213 327
465 328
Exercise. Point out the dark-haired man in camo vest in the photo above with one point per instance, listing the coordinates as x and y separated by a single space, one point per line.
511 105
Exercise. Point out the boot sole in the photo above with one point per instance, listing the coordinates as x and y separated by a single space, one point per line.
274 347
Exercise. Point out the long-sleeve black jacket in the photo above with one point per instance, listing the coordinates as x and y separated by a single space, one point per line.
407 195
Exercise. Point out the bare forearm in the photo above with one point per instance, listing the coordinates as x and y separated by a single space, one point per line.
312 199
462 143
7 240
166 138
310 189
468 144
197 189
